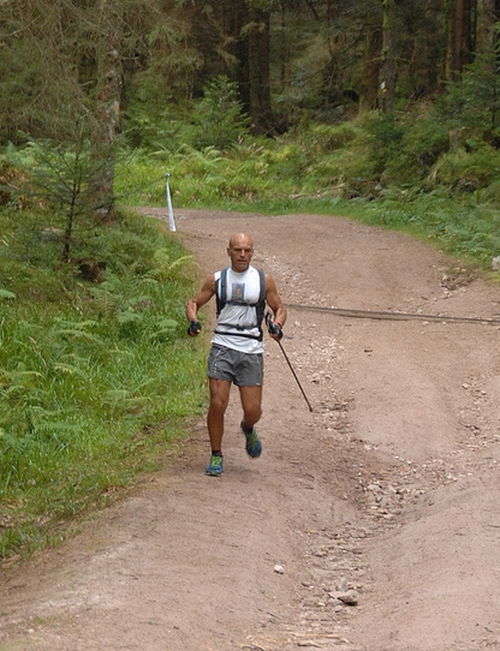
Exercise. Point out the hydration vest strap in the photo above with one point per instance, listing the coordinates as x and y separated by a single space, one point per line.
220 290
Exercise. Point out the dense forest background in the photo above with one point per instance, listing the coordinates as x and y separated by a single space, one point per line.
420 78
151 61
289 58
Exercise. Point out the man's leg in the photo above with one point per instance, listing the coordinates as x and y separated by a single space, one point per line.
219 398
251 398
251 401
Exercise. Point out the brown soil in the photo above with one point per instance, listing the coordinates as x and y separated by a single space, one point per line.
385 496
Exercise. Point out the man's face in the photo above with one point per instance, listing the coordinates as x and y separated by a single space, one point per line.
240 251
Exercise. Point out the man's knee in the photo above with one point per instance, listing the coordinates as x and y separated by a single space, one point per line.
252 413
218 401
219 394
218 404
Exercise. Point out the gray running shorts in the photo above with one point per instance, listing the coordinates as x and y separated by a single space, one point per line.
243 369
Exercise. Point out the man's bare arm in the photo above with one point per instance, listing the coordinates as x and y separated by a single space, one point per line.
200 298
274 301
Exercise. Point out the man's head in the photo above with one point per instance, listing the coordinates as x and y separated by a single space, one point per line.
240 250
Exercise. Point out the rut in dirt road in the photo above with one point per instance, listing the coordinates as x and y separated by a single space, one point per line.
371 523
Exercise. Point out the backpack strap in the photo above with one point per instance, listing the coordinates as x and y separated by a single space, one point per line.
261 305
220 290
262 285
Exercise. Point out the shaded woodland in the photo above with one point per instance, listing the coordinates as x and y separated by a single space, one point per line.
123 63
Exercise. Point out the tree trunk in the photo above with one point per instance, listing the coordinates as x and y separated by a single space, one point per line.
248 33
388 76
461 29
487 16
235 16
284 52
258 71
373 49
109 81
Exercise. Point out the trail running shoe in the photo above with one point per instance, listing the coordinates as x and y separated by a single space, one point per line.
214 468
253 446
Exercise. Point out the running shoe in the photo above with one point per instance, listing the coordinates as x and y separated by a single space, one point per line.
214 468
253 446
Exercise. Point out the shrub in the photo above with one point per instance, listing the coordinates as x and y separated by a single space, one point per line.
94 385
424 139
465 171
323 138
219 117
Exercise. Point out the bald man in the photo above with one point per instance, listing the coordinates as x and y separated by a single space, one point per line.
236 357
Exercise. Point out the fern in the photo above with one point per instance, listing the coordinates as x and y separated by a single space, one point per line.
164 265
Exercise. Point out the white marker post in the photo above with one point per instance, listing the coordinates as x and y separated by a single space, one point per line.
169 204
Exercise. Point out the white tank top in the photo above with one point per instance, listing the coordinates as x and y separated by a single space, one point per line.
237 316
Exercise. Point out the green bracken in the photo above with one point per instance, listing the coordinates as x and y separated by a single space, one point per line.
97 380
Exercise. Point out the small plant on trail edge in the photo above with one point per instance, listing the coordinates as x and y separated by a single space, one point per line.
67 180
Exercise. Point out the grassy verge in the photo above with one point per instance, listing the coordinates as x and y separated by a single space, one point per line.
97 381
333 172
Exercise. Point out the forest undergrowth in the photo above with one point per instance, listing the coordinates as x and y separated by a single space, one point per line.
97 378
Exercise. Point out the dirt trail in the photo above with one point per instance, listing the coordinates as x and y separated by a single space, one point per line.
385 496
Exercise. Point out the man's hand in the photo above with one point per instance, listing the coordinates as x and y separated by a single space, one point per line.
275 331
194 328
274 328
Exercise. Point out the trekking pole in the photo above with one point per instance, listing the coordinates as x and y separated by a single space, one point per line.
270 326
169 204
295 376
